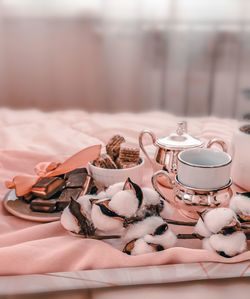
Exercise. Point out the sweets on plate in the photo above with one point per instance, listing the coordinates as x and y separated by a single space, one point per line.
48 186
119 155
43 205
65 197
53 194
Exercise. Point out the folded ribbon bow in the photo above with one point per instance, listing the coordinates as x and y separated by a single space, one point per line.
23 183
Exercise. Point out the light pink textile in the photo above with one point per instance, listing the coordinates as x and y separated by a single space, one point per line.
30 137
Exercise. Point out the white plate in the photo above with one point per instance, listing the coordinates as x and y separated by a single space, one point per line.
22 210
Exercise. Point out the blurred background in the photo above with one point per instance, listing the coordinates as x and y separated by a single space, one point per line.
189 57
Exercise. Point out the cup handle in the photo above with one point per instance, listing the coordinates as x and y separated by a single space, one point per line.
220 142
153 137
155 183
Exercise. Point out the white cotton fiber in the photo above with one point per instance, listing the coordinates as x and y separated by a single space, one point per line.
113 189
69 222
167 240
231 245
201 229
124 203
105 223
240 204
218 218
102 195
141 247
167 211
142 228
206 245
85 203
150 197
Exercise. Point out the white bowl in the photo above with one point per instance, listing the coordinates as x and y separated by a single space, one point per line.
109 177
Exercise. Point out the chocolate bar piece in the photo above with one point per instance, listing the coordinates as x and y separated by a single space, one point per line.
47 187
43 205
66 196
75 171
113 146
27 197
76 180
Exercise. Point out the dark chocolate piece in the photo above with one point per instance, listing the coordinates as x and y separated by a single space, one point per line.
76 180
27 197
86 226
47 187
43 205
75 171
65 197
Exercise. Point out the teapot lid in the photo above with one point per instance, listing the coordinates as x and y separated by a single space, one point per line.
180 139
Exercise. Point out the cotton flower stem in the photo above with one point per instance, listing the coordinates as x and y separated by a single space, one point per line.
108 237
189 236
182 223
197 236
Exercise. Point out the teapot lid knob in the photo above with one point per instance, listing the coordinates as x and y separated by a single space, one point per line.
181 128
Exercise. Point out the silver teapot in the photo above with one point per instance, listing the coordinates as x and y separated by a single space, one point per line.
168 148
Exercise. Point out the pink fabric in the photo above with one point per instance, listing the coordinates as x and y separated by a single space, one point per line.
29 137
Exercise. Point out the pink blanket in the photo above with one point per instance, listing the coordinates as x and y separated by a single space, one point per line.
29 137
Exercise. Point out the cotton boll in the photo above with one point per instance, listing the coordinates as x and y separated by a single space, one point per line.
240 204
102 195
230 245
142 228
218 218
142 247
69 222
113 189
167 210
167 240
201 229
85 203
206 245
150 197
105 223
124 203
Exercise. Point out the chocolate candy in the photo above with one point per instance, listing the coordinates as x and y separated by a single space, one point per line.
66 196
77 170
113 146
43 205
27 197
76 180
47 187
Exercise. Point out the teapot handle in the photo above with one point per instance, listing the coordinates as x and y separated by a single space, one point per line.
154 181
153 137
220 142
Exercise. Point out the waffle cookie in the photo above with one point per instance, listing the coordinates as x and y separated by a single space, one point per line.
113 146
129 153
105 161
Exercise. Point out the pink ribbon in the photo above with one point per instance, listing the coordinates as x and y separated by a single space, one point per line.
23 183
